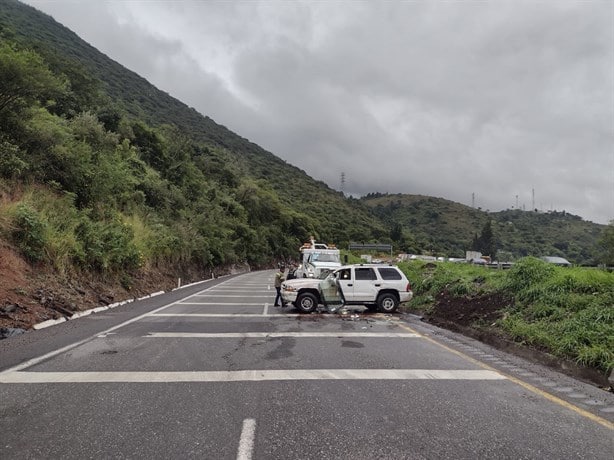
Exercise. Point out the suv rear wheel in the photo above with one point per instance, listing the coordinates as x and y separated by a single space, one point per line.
387 302
306 302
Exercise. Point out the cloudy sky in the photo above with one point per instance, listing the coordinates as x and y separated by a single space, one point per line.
474 101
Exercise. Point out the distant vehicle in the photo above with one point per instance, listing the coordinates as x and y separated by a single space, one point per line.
376 286
456 260
560 261
476 261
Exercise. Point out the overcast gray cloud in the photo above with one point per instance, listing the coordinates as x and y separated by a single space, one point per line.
447 99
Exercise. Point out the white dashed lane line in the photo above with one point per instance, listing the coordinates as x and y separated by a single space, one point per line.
246 442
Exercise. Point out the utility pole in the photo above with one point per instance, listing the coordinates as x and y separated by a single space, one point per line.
473 199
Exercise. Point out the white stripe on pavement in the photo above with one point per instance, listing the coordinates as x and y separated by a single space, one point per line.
248 376
246 443
229 315
219 303
260 335
225 295
229 287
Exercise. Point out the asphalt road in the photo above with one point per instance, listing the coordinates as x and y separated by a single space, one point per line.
215 371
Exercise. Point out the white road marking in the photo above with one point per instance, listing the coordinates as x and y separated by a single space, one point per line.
228 315
248 376
226 295
265 312
218 303
239 285
246 443
238 288
264 335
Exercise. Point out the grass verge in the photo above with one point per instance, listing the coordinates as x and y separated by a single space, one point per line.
568 312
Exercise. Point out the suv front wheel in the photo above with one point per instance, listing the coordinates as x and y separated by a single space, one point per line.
306 302
387 302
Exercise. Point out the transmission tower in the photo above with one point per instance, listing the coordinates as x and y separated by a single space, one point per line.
342 182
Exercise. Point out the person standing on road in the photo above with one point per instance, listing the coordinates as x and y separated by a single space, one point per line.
279 277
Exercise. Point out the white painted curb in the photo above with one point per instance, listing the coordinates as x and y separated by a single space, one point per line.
49 322
81 314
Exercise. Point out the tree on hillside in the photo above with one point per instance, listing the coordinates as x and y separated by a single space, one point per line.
396 232
486 242
605 246
24 79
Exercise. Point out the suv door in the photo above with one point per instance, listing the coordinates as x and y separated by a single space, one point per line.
329 287
365 285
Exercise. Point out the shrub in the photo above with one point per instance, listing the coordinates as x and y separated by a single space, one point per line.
107 246
11 165
528 272
29 233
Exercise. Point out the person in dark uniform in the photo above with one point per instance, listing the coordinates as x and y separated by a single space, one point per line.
279 278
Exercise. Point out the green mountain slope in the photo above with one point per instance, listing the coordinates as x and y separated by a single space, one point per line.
105 88
448 228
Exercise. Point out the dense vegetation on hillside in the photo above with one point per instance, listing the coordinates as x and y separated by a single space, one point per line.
448 229
124 92
108 173
103 172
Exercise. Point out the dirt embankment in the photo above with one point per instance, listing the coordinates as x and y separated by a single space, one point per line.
476 317
31 295
463 312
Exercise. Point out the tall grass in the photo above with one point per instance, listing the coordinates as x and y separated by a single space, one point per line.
430 279
566 311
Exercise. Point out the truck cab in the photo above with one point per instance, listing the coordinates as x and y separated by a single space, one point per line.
317 259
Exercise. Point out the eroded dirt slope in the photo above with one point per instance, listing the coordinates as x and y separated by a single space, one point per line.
30 295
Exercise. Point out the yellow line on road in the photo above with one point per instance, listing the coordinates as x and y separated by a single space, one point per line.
522 383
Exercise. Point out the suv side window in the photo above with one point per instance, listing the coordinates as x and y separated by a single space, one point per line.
344 274
389 274
363 273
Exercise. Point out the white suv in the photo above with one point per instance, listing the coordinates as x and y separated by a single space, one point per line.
381 287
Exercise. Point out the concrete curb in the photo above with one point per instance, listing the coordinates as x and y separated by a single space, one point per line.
49 322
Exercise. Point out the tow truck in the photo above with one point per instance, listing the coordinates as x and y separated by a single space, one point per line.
317 259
